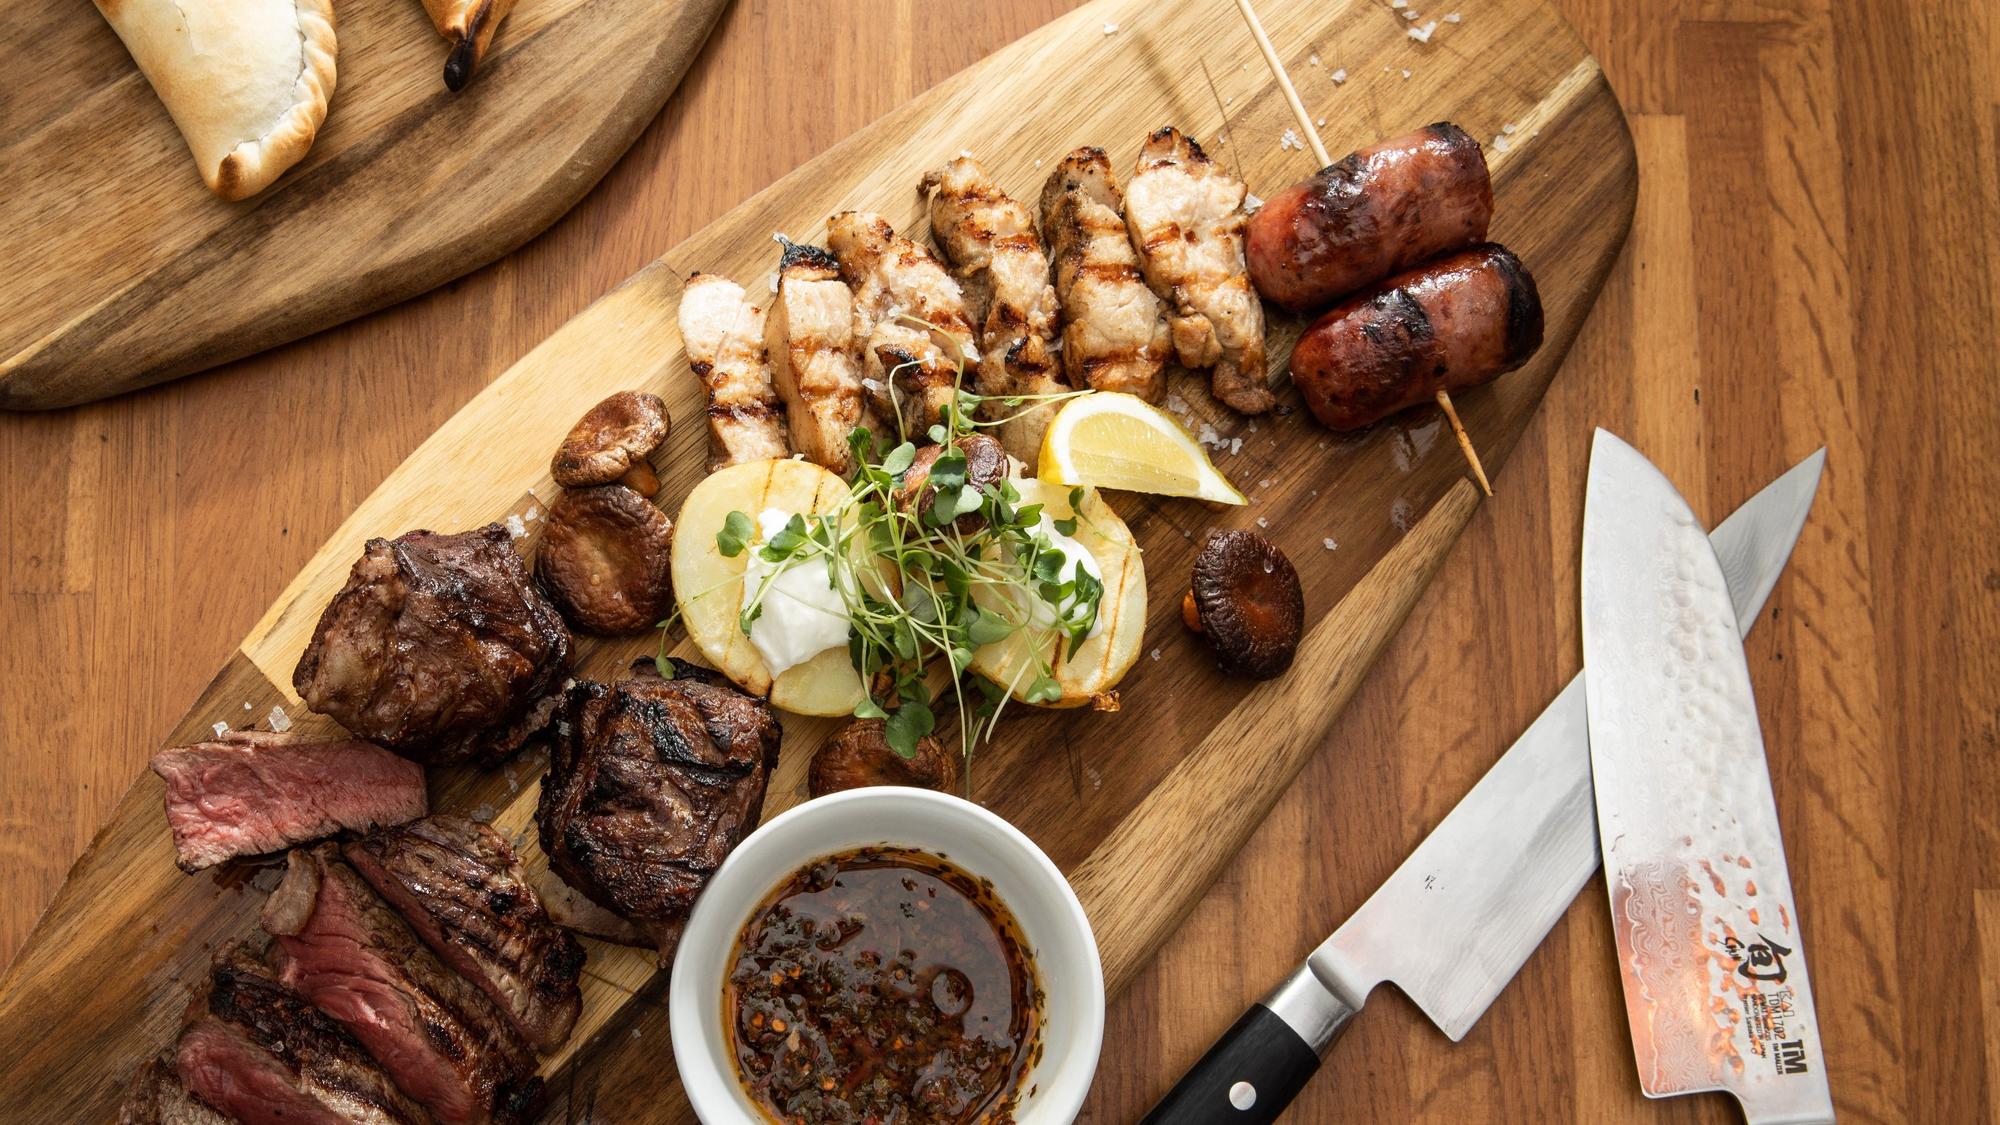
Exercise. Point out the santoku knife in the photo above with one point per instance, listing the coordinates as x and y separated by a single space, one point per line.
1455 922
1709 948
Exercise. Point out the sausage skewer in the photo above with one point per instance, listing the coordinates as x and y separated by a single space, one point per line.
1443 397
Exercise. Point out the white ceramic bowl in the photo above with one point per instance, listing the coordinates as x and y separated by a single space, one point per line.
1058 935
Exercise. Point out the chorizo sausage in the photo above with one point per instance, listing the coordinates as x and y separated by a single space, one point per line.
1454 323
1373 213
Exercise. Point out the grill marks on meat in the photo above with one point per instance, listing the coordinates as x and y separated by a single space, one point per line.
651 783
157 1096
255 792
462 889
996 254
260 1054
436 1034
724 336
1114 328
438 647
815 359
908 370
1186 217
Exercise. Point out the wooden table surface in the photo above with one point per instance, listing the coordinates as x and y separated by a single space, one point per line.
1815 260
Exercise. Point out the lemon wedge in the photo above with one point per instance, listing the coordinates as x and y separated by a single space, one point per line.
1112 440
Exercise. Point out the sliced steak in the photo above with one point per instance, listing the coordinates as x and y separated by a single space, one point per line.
437 1035
255 792
460 886
438 647
260 1054
651 783
156 1096
573 910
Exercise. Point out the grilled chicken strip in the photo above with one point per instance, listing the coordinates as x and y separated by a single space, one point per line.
906 368
996 254
724 336
1114 335
815 362
1186 217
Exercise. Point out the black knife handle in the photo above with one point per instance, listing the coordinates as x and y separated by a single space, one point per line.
1262 1062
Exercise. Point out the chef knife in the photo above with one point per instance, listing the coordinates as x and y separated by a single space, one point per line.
1709 948
1455 922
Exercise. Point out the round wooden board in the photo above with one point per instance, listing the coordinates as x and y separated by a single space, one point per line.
1189 767
120 269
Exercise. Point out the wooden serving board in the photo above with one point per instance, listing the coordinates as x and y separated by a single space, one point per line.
119 269
1144 807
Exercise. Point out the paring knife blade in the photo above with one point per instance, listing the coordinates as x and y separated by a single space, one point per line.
1457 920
1709 947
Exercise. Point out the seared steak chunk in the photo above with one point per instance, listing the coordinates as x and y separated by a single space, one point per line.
439 1037
651 782
156 1096
438 647
254 792
263 1056
460 886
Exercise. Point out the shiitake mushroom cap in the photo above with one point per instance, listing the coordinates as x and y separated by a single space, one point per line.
611 439
985 464
1248 602
604 559
860 756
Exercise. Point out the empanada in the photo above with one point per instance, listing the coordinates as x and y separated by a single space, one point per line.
469 25
247 81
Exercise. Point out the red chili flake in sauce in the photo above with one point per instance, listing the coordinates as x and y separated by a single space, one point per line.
883 986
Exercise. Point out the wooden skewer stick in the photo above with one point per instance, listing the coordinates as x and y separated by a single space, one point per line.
1319 151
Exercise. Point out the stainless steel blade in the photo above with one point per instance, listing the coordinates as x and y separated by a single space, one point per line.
1709 948
1457 920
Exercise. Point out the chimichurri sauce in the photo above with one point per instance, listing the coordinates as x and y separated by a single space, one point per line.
883 986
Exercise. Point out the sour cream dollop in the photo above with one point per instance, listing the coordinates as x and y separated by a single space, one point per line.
1075 556
802 615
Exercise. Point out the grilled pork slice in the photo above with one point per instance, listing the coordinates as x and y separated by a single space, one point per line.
815 359
1186 217
651 783
1114 327
436 1034
438 647
724 336
255 792
260 1054
996 254
460 886
907 313
157 1096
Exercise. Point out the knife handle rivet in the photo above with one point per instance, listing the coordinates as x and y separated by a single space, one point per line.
1243 1095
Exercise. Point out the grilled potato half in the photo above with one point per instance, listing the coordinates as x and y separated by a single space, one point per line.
709 585
1104 659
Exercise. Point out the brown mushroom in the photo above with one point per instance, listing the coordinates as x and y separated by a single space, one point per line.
611 442
603 559
985 464
859 755
1245 599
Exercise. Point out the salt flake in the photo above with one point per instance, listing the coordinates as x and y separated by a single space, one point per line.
221 728
1339 75
1110 29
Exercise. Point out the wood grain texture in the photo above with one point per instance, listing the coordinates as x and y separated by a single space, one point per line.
1841 291
120 270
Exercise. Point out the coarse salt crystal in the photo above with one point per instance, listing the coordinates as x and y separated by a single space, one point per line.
1423 34
280 721
1156 654
1321 122
1501 143
1290 140
1235 445
1177 404
1315 60
1399 4
965 154
772 281
1339 75
221 728
1451 17
1208 436
1328 543
1410 15
246 705
1110 29
515 527
1265 483
1262 522
1406 74
1251 203
1509 128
